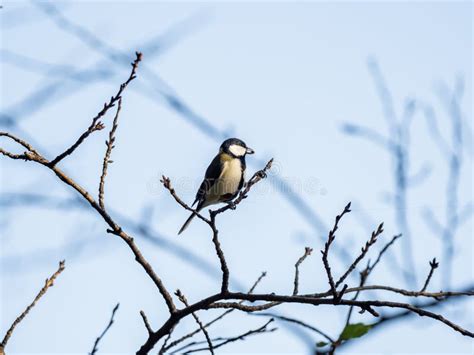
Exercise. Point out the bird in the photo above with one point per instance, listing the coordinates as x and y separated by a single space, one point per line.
224 177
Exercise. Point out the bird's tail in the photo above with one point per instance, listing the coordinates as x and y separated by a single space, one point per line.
186 224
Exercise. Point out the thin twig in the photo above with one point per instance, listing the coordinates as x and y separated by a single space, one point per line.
222 315
96 125
99 338
26 155
331 237
364 251
384 249
183 299
110 145
297 321
433 266
19 141
48 283
259 330
255 284
307 252
146 322
220 254
164 347
364 274
167 184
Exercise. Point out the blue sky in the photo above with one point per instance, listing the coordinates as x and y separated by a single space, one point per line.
283 77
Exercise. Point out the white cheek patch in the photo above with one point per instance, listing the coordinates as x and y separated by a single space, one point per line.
237 150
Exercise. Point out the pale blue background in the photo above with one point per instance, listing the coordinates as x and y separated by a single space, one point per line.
281 76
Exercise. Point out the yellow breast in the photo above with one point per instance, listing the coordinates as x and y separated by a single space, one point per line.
228 181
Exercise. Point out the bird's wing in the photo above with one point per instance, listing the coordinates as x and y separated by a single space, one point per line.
212 174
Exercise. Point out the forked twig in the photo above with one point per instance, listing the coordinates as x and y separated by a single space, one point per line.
325 252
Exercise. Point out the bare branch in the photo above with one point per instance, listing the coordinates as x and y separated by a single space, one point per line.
13 156
220 255
299 322
384 249
255 284
243 307
96 125
364 251
222 315
397 316
146 322
48 283
108 152
366 272
19 141
307 252
433 265
224 341
167 339
114 228
365 305
27 155
183 299
167 184
331 237
437 295
99 338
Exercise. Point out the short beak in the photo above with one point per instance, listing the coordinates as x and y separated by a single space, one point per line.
249 151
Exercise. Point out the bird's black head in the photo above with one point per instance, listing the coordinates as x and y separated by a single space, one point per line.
235 147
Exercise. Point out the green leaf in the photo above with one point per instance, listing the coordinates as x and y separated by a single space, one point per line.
352 331
321 344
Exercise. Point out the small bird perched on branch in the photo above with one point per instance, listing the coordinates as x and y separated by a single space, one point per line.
224 177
